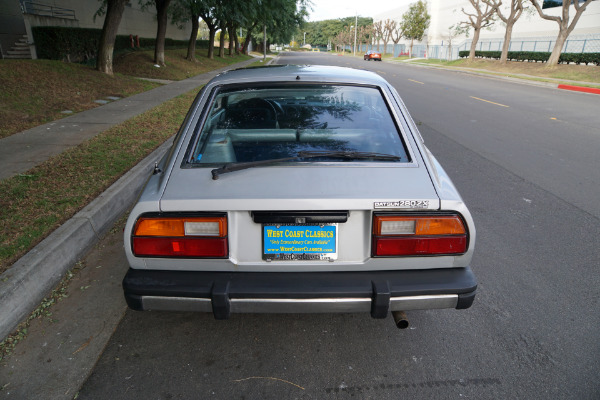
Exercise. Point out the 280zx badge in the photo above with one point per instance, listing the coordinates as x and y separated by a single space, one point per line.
402 204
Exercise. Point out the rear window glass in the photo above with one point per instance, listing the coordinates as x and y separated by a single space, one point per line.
265 123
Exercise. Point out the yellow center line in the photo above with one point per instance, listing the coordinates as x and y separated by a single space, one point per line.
487 101
412 80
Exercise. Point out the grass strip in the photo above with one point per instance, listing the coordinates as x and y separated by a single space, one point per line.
584 75
34 92
37 91
140 64
33 204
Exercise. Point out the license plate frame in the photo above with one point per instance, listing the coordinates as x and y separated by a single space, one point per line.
300 242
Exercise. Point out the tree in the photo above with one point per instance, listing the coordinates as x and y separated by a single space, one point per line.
478 21
516 10
282 19
377 32
106 47
182 11
565 28
365 35
415 22
223 27
397 33
453 31
388 28
344 38
320 33
207 10
162 18
161 7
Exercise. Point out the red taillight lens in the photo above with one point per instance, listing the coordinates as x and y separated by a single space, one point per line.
417 235
181 237
180 247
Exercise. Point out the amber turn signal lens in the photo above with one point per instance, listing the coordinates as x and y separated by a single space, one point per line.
418 225
176 227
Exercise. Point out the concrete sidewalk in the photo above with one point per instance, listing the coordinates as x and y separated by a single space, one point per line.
28 280
25 150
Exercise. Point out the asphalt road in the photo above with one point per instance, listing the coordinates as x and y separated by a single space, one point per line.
525 159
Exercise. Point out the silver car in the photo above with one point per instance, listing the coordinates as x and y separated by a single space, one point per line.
299 189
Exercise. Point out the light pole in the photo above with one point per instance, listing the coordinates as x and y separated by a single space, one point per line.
304 44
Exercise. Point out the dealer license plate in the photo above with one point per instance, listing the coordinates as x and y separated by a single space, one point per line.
300 242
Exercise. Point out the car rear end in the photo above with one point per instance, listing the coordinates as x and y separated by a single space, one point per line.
344 230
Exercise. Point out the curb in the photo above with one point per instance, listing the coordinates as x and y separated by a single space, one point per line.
33 276
583 89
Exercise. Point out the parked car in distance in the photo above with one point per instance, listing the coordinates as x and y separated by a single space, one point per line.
372 55
299 189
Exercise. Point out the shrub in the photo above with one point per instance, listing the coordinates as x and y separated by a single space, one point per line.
81 44
577 58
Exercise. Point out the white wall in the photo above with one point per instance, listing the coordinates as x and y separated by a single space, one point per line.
134 21
445 13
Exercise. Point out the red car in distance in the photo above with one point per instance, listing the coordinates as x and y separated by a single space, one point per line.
372 55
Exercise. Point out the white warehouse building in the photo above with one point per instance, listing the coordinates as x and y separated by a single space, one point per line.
530 33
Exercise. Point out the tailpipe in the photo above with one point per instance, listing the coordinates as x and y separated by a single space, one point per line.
400 319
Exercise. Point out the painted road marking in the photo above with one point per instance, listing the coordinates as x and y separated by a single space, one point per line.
491 102
412 80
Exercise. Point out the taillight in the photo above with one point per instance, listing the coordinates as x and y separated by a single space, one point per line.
418 235
197 237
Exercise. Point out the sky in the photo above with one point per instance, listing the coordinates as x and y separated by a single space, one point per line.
333 9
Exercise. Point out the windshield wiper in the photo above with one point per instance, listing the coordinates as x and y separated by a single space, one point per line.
350 155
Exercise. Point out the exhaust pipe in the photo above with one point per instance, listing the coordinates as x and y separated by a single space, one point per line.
400 319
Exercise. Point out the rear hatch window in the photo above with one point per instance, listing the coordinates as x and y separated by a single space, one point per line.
268 122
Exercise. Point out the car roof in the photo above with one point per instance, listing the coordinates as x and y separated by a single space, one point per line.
299 73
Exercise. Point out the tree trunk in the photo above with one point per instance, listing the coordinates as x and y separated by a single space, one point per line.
246 43
114 12
248 38
231 32
222 42
212 30
474 44
558 46
191 53
236 43
506 44
264 43
161 17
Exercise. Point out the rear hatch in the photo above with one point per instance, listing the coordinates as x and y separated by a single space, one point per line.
357 190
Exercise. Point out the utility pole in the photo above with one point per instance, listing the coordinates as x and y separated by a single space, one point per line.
265 43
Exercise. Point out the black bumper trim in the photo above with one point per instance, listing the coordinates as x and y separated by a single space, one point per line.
220 287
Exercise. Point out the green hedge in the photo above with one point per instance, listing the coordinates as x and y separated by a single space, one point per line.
577 58
81 44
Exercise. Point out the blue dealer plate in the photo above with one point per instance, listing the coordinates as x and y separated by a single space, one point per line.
300 242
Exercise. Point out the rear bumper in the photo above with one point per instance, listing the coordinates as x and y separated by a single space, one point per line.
223 293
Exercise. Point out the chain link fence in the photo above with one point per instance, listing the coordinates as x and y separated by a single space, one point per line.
576 44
